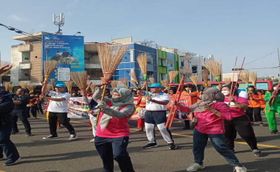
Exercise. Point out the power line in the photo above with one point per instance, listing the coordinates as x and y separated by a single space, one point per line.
256 59
18 31
260 68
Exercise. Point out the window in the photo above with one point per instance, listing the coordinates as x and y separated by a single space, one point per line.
25 56
194 69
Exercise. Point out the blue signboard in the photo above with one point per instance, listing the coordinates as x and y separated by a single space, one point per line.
68 50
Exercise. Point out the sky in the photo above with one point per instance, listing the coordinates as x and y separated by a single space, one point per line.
227 29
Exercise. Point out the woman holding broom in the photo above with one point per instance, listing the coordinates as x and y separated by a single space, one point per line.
112 131
210 113
240 122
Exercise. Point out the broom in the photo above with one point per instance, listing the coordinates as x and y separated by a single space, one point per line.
244 76
80 79
215 68
172 75
133 78
22 84
30 88
253 78
110 56
194 79
142 60
50 66
69 85
8 86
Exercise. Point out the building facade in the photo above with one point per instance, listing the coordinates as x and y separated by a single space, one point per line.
27 62
129 62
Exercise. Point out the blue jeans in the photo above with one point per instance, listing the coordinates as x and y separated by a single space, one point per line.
6 145
219 143
114 148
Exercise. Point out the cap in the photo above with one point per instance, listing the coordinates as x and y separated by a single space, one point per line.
155 85
60 84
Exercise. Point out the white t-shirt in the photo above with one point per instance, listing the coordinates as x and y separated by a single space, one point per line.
152 106
58 106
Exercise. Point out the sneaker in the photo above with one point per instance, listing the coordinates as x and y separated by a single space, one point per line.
150 145
28 134
92 140
73 137
195 167
172 146
274 132
10 162
50 137
257 152
240 169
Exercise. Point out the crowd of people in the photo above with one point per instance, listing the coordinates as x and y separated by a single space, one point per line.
215 113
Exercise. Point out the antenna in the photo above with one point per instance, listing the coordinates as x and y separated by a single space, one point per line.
58 20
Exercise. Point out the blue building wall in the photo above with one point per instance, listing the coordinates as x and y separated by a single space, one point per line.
129 62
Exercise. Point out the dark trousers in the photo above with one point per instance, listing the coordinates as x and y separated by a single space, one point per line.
33 110
254 114
24 119
219 143
6 145
39 107
62 117
114 148
243 127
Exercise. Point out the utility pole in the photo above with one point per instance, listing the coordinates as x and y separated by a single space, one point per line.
278 62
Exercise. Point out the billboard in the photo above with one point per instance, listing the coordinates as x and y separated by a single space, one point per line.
68 50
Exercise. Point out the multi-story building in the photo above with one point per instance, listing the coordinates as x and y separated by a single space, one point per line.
92 63
129 62
27 61
168 60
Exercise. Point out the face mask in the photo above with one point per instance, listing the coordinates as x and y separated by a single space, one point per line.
226 93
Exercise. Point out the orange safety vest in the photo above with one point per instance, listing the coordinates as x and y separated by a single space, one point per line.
254 101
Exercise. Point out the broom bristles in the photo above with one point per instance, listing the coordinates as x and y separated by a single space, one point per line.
253 77
22 84
142 61
69 85
244 76
194 79
30 88
80 79
8 86
214 67
50 66
110 56
172 75
133 77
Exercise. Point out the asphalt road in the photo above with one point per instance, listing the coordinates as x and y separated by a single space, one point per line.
61 155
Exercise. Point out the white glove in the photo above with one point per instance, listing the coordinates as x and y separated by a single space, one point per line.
101 105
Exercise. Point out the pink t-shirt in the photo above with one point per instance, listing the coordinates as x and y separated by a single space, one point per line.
208 122
117 127
236 112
